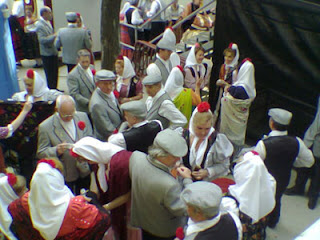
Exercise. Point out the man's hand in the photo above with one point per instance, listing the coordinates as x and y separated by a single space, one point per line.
62 147
200 174
184 172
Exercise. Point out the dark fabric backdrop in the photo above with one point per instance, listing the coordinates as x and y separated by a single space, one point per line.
282 37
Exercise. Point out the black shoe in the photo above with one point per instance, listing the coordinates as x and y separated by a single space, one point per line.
312 203
293 191
271 224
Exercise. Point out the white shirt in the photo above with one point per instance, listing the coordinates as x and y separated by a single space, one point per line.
168 110
89 72
155 7
136 18
47 22
304 158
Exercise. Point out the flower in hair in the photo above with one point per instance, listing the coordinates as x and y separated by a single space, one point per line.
255 152
81 125
203 107
120 57
12 179
30 73
73 154
246 59
180 233
197 45
93 72
230 45
48 161
180 68
78 15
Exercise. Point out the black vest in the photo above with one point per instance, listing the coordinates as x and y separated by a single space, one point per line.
129 20
139 139
281 152
225 229
211 140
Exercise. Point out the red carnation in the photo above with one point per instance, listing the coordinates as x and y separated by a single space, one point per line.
116 94
180 68
48 161
203 107
73 154
179 233
197 45
230 45
30 73
93 72
120 57
78 15
255 153
12 179
81 125
115 131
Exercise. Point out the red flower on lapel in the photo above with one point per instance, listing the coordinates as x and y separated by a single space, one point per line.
93 72
115 131
179 233
116 94
81 125
12 179
48 161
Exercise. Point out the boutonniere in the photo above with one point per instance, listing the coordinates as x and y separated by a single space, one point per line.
116 94
81 125
180 233
93 72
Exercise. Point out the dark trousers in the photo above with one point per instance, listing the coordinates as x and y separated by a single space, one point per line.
274 216
156 29
76 186
70 67
50 66
149 236
315 179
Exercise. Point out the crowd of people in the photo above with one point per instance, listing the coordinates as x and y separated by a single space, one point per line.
112 164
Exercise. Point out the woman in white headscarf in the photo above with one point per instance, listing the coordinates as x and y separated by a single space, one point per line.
209 152
253 195
110 180
235 104
36 89
183 98
11 188
50 211
128 86
196 68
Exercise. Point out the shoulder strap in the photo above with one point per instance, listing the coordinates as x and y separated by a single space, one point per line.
211 141
192 71
186 136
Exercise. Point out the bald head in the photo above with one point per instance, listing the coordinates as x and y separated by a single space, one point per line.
65 106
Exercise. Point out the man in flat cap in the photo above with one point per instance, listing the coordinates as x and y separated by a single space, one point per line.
103 106
280 153
136 134
72 39
81 81
159 105
155 199
205 220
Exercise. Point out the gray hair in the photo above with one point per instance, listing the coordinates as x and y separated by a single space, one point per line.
155 152
64 99
83 53
44 10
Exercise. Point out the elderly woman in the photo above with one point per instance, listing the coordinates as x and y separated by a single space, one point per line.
36 89
50 211
128 86
208 151
253 195
11 188
196 69
183 98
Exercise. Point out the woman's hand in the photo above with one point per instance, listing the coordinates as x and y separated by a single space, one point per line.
200 174
27 107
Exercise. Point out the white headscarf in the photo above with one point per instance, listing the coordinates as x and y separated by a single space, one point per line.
125 8
195 158
40 86
128 72
7 195
48 200
98 152
192 61
153 69
255 187
234 62
174 83
245 78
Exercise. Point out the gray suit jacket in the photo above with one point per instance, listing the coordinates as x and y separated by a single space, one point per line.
51 133
80 87
46 39
106 117
72 39
155 202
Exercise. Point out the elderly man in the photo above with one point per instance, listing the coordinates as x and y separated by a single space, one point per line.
72 39
205 221
280 153
80 81
136 127
159 105
103 106
56 136
156 205
48 52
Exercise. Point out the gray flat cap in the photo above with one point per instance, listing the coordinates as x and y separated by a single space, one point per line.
71 16
204 195
151 79
105 75
172 142
280 115
166 44
136 108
